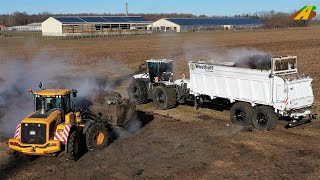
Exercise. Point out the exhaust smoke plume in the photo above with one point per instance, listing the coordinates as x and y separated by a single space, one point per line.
241 57
17 75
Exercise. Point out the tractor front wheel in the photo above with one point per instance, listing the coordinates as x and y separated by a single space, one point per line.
137 92
164 98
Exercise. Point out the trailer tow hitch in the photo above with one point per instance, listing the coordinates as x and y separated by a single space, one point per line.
298 122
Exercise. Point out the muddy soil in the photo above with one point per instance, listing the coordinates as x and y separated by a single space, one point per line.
169 148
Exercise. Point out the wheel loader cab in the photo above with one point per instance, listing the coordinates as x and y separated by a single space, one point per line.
47 130
160 70
47 103
59 99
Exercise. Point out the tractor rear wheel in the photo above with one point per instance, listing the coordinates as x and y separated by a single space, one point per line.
74 146
164 98
264 118
241 114
137 92
97 137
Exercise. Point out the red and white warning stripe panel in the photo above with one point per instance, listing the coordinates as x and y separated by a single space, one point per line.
66 132
17 132
63 135
286 101
57 136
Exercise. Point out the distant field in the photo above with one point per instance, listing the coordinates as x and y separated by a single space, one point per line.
20 34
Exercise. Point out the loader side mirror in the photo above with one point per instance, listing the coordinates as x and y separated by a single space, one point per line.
74 93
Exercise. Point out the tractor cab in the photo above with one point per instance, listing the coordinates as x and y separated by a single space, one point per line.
160 70
159 79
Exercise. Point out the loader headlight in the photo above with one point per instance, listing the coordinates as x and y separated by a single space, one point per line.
14 144
51 145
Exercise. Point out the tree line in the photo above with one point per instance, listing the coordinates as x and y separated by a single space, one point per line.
270 18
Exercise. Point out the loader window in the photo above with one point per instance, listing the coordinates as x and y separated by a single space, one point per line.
66 102
49 102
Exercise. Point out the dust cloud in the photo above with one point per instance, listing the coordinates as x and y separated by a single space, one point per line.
239 56
65 70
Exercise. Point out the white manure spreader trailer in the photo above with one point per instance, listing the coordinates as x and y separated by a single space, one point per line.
257 94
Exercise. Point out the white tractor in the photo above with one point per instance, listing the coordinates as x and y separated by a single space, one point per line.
258 93
156 84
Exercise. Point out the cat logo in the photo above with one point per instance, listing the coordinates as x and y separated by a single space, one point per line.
192 66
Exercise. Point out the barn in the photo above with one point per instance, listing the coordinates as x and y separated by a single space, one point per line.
67 25
33 27
2 27
198 24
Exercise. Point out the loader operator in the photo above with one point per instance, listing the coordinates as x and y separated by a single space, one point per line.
53 103
50 104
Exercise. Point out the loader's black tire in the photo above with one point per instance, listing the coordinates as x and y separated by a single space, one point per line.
137 92
97 137
74 146
264 118
164 98
241 114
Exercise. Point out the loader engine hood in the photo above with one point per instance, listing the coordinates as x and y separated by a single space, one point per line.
35 127
39 117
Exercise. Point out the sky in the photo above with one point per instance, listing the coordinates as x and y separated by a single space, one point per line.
197 7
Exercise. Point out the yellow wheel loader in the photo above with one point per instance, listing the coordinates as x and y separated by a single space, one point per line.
55 127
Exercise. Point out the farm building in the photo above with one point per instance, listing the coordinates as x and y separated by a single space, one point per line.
2 27
64 26
198 24
34 27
